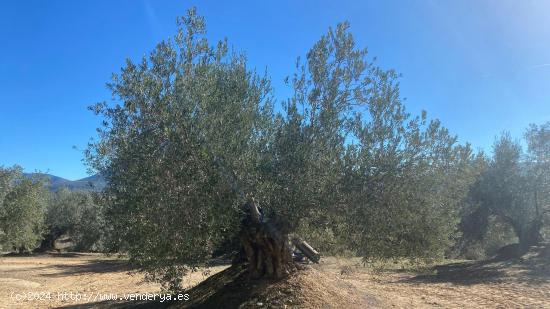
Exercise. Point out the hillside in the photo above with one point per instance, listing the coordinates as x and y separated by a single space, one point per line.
54 183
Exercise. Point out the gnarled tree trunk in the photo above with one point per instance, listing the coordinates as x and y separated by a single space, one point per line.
267 250
530 235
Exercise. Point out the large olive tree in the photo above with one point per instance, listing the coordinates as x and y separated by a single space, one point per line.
191 147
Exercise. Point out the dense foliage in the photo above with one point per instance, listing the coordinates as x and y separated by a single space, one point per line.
192 136
74 214
512 193
22 204
193 122
32 217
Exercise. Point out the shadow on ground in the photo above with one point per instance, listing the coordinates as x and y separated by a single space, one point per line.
121 305
227 289
96 266
531 266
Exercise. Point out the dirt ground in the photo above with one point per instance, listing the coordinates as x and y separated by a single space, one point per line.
453 285
47 280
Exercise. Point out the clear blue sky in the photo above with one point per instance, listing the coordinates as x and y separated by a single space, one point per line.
480 66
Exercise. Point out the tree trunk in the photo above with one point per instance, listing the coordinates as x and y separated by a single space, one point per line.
530 235
267 250
265 246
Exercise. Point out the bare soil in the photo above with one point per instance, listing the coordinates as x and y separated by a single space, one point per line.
41 281
334 283
466 284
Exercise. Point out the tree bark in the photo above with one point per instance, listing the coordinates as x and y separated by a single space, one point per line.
267 253
307 250
530 235
267 250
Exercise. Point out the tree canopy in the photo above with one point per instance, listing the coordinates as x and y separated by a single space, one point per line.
22 204
513 187
193 135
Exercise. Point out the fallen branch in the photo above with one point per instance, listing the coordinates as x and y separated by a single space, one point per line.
306 249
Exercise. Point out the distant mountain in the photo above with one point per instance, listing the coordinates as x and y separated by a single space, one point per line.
92 183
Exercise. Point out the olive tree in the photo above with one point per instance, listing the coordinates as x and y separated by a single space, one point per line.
76 214
22 204
538 158
192 152
514 186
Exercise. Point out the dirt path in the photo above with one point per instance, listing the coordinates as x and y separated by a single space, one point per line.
464 285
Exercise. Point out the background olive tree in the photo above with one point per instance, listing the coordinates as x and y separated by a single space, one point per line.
510 200
74 214
22 204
